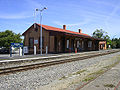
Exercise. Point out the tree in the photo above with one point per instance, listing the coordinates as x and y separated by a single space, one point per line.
99 33
102 35
116 43
108 40
8 37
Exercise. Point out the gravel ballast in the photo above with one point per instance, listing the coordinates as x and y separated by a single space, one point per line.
31 79
107 81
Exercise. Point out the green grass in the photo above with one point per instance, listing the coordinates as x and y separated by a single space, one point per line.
97 72
79 72
89 78
112 65
97 85
93 75
62 78
109 85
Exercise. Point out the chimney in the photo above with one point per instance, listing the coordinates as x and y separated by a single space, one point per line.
80 31
64 27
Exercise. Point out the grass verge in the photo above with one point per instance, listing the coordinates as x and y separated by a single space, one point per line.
94 75
109 85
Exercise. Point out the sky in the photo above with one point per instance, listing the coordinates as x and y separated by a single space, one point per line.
88 15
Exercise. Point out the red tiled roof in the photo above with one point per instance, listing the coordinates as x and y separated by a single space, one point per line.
102 42
62 30
50 28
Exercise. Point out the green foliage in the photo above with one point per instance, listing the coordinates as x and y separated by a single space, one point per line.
116 43
8 37
109 85
102 35
99 33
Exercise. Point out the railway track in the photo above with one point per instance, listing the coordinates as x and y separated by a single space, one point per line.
13 69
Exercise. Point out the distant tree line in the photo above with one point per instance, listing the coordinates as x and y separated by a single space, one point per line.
116 43
99 33
7 37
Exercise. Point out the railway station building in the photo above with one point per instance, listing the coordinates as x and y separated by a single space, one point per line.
60 40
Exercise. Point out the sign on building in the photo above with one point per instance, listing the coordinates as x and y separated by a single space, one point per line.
17 44
25 48
35 41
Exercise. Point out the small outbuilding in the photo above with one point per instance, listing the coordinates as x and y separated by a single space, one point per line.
59 40
102 45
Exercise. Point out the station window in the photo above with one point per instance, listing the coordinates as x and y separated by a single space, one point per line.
59 43
31 42
82 44
103 45
89 43
78 44
67 43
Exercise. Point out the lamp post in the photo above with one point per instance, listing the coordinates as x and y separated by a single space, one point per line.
41 28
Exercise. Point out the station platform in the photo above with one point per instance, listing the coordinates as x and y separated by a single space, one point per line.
16 57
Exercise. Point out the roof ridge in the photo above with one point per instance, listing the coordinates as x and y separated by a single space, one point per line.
51 26
62 29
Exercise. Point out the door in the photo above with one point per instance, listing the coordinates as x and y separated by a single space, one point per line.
63 44
56 44
72 45
52 49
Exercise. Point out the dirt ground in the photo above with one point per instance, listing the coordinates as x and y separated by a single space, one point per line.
93 74
107 81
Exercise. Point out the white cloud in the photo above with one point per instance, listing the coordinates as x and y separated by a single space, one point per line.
73 24
103 2
15 16
111 15
34 4
26 13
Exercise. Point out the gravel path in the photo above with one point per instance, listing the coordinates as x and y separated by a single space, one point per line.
31 79
107 81
118 86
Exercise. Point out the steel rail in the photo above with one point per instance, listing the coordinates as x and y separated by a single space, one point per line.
5 71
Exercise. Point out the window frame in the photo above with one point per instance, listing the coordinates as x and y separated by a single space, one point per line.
68 43
89 44
31 46
78 44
